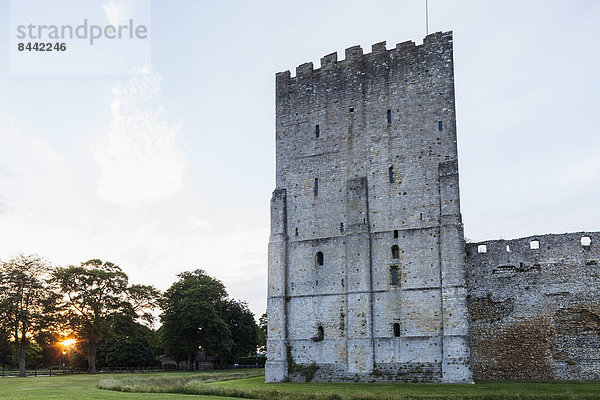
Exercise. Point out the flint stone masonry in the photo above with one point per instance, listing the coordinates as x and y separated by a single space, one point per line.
535 313
367 253
385 160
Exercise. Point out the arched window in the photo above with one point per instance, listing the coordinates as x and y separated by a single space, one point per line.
320 333
395 252
396 329
319 258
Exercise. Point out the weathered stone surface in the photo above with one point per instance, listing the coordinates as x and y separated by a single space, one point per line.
535 312
367 164
367 253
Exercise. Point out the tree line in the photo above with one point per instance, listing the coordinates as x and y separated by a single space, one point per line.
90 315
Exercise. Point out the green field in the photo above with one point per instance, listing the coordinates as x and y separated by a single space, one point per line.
218 383
78 387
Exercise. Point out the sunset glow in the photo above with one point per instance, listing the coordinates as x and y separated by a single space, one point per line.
68 342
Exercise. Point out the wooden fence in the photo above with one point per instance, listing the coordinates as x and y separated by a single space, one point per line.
105 370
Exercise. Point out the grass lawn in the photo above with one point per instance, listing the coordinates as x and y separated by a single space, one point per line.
255 388
79 387
480 390
227 385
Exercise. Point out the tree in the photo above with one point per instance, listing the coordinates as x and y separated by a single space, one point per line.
100 301
6 353
131 344
127 352
243 328
27 301
33 354
262 330
191 320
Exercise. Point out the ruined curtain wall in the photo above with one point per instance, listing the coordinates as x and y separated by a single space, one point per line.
535 307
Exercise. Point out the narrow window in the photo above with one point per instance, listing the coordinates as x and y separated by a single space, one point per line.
391 173
341 227
440 126
482 248
316 186
320 333
586 241
534 244
317 131
342 282
395 252
296 231
507 248
319 258
317 282
396 329
351 109
421 216
394 276
395 233
389 116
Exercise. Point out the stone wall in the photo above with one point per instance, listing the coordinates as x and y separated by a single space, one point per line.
534 304
366 255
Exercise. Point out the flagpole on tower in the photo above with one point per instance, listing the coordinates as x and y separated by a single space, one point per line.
426 18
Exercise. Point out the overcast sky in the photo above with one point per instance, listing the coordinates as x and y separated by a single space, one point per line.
171 167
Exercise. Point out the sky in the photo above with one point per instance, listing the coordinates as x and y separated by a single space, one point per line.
160 157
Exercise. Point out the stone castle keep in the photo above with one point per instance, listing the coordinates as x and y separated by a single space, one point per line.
369 277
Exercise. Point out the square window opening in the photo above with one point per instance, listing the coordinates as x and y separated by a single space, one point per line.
586 241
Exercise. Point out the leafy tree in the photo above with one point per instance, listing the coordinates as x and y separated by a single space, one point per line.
143 299
33 355
101 302
191 320
6 354
28 303
127 352
243 328
132 344
262 330
173 347
51 350
153 339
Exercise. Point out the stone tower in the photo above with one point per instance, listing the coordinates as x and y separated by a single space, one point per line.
366 273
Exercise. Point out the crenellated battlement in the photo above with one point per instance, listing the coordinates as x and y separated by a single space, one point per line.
406 51
539 246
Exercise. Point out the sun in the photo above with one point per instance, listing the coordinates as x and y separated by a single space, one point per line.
68 342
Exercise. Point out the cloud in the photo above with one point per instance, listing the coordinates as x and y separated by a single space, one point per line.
139 157
117 12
